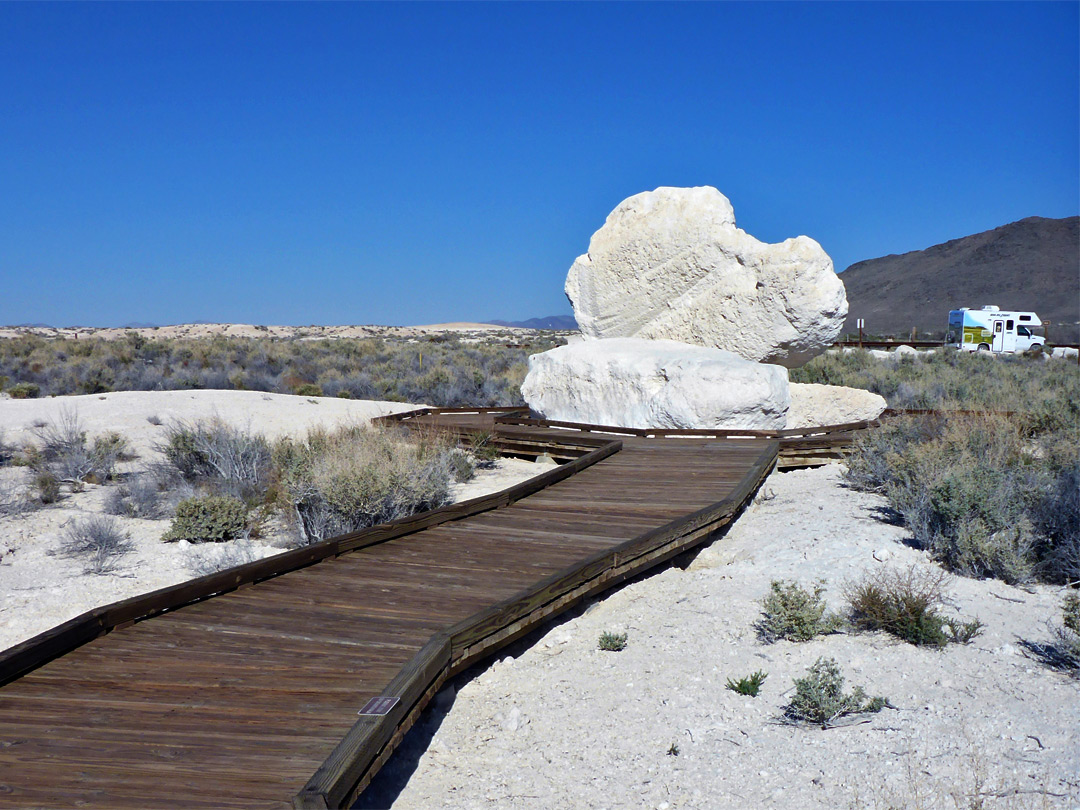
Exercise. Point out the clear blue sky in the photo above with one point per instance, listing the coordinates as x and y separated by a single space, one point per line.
413 163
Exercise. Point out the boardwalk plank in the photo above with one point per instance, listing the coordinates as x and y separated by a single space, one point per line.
250 697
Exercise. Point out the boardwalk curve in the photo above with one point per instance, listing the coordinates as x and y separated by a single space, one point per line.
242 689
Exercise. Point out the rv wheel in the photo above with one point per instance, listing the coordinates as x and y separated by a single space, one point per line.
984 347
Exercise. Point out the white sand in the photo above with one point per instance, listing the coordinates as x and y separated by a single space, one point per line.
556 723
200 330
39 589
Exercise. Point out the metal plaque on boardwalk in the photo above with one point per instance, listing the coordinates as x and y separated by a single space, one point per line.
379 705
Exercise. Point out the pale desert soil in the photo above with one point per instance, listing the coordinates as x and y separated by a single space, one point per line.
197 330
39 589
556 723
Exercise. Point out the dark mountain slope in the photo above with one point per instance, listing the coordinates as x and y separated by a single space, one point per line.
1033 264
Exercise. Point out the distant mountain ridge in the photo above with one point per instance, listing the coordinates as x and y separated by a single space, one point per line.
1032 264
558 322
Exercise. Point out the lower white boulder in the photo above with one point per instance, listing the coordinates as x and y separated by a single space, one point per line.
634 382
813 404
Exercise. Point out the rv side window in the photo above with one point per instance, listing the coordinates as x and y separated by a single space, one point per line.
997 326
1009 325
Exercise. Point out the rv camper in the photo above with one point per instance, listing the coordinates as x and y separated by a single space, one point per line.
991 329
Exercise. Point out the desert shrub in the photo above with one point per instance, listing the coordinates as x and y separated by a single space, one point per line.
612 642
220 457
24 390
983 493
750 685
819 697
1067 634
7 451
66 456
97 541
462 466
446 372
14 498
47 486
484 451
792 613
1048 391
207 560
151 494
308 390
357 477
207 519
907 603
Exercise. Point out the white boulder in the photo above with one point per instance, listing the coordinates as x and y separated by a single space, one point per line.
670 264
631 382
813 405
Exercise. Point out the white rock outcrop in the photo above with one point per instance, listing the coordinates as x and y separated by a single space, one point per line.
813 404
632 382
670 264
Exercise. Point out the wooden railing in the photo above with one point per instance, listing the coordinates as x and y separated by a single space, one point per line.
75 632
372 739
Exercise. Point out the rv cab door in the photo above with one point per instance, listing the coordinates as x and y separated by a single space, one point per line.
999 336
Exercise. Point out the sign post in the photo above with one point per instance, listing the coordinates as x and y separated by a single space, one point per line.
860 324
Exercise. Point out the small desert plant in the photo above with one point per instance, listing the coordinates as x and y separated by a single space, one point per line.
1067 635
308 390
612 642
792 613
154 420
819 697
98 541
210 519
211 559
65 455
906 603
24 390
750 685
673 750
47 486
14 499
462 466
483 449
151 494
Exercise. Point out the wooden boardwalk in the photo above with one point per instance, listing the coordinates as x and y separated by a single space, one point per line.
249 698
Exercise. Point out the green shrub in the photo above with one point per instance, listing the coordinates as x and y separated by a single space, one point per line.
612 642
750 685
24 390
209 519
819 697
308 390
906 604
791 613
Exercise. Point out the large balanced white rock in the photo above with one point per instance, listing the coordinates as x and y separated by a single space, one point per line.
670 264
632 382
813 404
